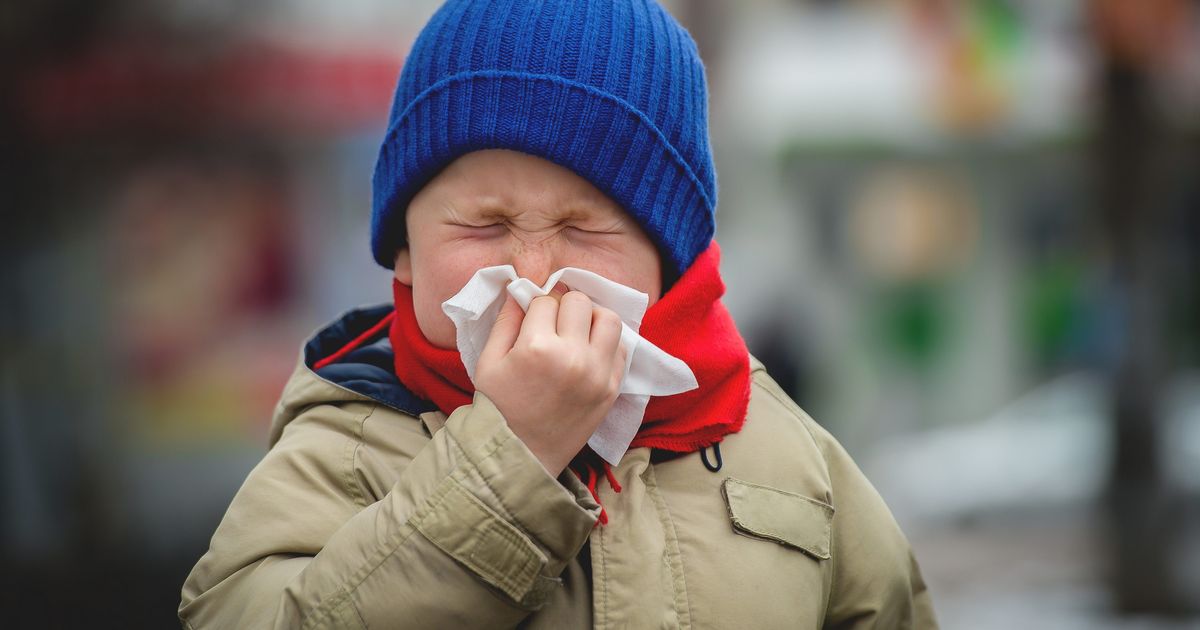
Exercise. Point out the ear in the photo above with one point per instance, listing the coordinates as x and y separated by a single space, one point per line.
403 267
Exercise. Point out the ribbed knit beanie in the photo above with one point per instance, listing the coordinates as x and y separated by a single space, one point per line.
611 89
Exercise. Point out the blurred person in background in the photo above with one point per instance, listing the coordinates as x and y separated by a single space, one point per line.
401 491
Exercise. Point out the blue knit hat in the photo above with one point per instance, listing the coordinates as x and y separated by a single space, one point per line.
611 89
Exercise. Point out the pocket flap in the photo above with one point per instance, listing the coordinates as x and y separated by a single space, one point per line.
784 517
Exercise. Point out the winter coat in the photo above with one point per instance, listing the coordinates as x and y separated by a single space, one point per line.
371 509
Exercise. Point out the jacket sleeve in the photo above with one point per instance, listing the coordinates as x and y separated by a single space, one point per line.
876 580
474 532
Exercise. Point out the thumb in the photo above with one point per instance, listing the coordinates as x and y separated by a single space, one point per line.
504 331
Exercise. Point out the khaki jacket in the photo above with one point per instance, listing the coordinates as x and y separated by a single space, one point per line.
361 515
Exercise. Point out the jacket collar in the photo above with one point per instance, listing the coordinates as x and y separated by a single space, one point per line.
369 370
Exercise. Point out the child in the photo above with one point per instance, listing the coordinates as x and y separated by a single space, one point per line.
399 492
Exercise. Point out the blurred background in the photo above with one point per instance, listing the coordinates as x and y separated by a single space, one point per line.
965 235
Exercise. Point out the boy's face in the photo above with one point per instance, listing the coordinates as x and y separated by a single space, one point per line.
499 207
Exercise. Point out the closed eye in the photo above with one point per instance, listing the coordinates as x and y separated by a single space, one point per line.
482 229
591 231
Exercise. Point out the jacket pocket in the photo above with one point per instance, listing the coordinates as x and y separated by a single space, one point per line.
784 517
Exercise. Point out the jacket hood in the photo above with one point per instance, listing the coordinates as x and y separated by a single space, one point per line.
367 372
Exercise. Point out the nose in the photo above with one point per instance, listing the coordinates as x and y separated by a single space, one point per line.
535 261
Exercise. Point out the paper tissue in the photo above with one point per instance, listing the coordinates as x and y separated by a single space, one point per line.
649 371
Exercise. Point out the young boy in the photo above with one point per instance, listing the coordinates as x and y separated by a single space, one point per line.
400 492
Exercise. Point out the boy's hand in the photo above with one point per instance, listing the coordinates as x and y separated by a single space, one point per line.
554 372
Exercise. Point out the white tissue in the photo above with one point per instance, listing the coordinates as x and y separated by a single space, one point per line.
648 370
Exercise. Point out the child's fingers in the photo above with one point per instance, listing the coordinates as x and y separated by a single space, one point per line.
504 332
617 367
575 316
541 317
622 354
606 330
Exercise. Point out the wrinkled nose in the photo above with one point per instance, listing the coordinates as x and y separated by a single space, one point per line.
535 261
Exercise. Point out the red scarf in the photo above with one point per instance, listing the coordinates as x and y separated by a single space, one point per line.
688 322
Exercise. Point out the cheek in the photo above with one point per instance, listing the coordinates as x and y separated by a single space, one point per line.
436 278
633 268
645 275
447 275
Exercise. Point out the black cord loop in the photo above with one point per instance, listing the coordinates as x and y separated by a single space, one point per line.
704 458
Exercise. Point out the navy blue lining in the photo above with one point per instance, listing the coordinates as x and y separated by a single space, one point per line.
367 370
